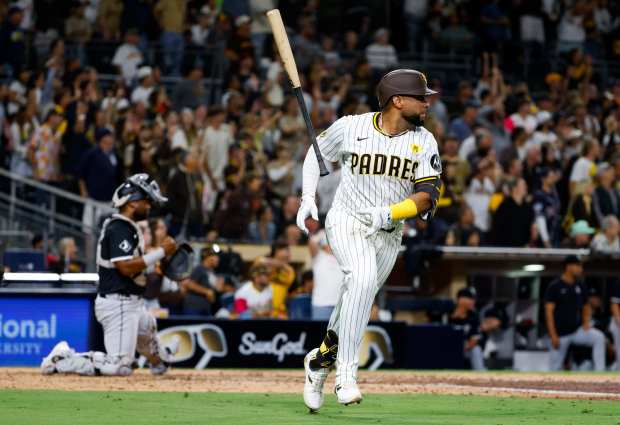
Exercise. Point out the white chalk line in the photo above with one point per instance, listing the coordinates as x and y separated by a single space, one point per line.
530 390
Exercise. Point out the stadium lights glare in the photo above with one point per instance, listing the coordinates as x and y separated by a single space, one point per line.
32 277
533 267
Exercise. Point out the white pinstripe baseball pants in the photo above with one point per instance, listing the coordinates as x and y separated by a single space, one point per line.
366 264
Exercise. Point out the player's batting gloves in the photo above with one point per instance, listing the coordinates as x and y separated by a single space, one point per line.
306 209
377 218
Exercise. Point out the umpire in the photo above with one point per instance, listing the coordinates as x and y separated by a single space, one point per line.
567 314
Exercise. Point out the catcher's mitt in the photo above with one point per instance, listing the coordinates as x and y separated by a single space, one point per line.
179 265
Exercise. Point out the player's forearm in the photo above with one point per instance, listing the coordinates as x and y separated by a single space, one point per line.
550 321
586 316
615 312
413 206
136 265
311 174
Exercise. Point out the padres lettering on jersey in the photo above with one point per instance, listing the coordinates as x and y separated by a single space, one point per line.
378 169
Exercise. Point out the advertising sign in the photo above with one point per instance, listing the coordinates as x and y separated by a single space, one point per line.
31 326
269 343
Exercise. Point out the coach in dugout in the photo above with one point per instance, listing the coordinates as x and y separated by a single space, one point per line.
567 315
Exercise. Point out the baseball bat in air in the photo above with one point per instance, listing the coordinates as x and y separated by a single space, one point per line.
288 60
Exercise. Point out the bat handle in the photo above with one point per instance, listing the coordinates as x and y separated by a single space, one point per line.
310 129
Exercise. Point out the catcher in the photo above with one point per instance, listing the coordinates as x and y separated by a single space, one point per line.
119 306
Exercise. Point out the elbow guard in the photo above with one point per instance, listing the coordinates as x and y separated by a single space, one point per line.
432 186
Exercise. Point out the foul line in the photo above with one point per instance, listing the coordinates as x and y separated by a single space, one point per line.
532 390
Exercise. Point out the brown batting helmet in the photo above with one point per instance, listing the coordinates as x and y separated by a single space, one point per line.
405 82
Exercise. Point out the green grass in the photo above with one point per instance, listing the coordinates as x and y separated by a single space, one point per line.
136 408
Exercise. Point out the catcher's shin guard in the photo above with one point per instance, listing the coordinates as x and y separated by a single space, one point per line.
328 350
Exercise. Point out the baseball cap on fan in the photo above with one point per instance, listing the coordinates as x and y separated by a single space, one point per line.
404 82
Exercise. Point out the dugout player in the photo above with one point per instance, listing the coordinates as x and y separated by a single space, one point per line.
567 315
390 172
119 306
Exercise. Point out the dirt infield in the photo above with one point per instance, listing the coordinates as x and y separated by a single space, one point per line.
581 386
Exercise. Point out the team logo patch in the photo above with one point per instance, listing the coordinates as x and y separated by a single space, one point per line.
436 163
125 246
416 148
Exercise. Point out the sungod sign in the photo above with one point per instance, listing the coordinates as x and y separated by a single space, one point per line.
30 327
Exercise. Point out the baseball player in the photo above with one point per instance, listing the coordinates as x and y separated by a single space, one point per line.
390 172
119 306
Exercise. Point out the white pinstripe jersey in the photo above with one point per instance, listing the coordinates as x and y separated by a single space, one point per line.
377 169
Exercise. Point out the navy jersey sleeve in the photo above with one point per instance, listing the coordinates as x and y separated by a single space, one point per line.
552 295
120 240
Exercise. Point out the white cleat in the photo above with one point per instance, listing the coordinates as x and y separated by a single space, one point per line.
348 394
48 365
315 379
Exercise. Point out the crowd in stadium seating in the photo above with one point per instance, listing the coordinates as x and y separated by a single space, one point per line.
529 160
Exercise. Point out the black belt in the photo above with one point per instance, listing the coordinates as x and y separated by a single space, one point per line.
125 294
389 230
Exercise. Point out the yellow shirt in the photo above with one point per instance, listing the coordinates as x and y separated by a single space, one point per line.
171 15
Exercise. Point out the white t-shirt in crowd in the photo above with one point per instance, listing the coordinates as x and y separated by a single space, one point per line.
601 243
478 197
257 302
215 145
128 57
529 123
581 170
327 279
380 56
141 94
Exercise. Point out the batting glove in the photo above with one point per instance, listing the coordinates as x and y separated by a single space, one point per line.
377 218
306 209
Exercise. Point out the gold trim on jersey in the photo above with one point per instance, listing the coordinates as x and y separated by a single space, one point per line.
425 179
375 124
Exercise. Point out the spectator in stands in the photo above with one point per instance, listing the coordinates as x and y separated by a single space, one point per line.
281 277
513 220
68 260
44 149
584 168
523 117
185 197
381 55
240 44
78 31
262 230
546 205
465 232
254 299
605 198
567 316
580 235
206 284
12 42
463 126
146 85
128 57
189 92
465 317
416 12
217 139
328 278
607 241
109 19
202 31
479 192
100 170
287 214
170 15
581 207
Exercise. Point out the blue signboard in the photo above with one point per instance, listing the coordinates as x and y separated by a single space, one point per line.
30 327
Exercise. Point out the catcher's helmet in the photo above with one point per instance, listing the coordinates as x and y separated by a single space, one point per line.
137 187
405 82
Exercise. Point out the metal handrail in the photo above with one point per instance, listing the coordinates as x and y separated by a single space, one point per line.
54 190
